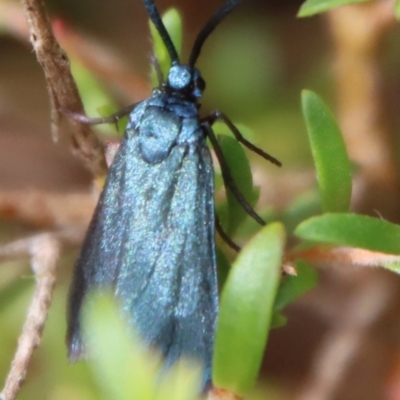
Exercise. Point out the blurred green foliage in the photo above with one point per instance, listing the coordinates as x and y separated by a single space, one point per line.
311 7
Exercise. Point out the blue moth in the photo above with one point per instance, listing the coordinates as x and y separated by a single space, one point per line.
151 239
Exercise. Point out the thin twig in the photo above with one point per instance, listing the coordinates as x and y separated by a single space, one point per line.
46 209
44 259
26 247
343 257
62 88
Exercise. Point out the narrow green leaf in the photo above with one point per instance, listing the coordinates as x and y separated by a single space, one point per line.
302 207
249 227
240 170
312 7
173 23
122 368
246 310
94 95
393 266
181 382
292 287
278 320
330 156
352 230
223 267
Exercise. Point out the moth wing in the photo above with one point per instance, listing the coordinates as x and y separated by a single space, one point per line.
151 240
175 308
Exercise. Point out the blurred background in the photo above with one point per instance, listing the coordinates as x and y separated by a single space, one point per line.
342 338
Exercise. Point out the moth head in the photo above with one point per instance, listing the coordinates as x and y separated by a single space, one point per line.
186 80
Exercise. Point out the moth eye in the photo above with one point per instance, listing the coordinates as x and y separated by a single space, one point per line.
200 83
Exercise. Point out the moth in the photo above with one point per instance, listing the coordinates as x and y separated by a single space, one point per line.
152 236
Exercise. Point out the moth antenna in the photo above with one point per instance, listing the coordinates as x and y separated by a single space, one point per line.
209 27
157 21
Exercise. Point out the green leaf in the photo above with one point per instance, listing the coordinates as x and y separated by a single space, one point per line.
393 266
278 320
118 360
223 267
181 382
330 156
240 170
312 7
292 287
123 367
250 227
94 96
246 310
302 207
352 230
173 23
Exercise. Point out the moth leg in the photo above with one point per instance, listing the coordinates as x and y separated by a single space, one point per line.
225 236
226 174
112 119
218 115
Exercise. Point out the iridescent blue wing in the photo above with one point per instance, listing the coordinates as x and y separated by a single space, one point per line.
151 240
